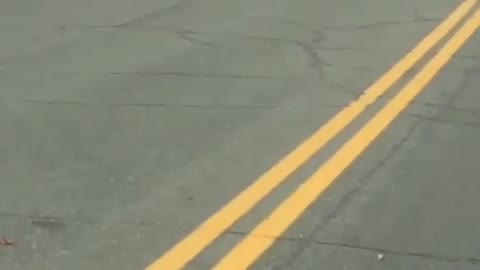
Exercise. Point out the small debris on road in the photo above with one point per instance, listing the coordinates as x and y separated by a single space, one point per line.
6 242
380 256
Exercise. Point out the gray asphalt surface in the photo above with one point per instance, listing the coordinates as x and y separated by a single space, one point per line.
411 199
126 124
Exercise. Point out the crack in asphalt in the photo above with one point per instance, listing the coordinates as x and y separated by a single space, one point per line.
195 74
192 36
47 221
468 57
309 47
351 193
471 124
381 24
376 250
448 107
6 72
444 120
469 74
161 105
164 105
310 50
35 219
305 243
145 18
315 61
353 94
317 31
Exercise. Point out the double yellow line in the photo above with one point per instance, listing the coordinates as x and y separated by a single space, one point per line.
247 251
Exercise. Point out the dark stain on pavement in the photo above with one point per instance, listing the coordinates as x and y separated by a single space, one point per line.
47 223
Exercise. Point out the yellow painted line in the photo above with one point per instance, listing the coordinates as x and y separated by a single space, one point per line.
187 249
263 236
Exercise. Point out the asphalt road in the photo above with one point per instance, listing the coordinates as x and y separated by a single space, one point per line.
125 125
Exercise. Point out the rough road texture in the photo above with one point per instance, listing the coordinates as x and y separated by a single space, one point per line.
126 123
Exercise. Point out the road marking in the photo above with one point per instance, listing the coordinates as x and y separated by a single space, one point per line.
263 236
188 248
